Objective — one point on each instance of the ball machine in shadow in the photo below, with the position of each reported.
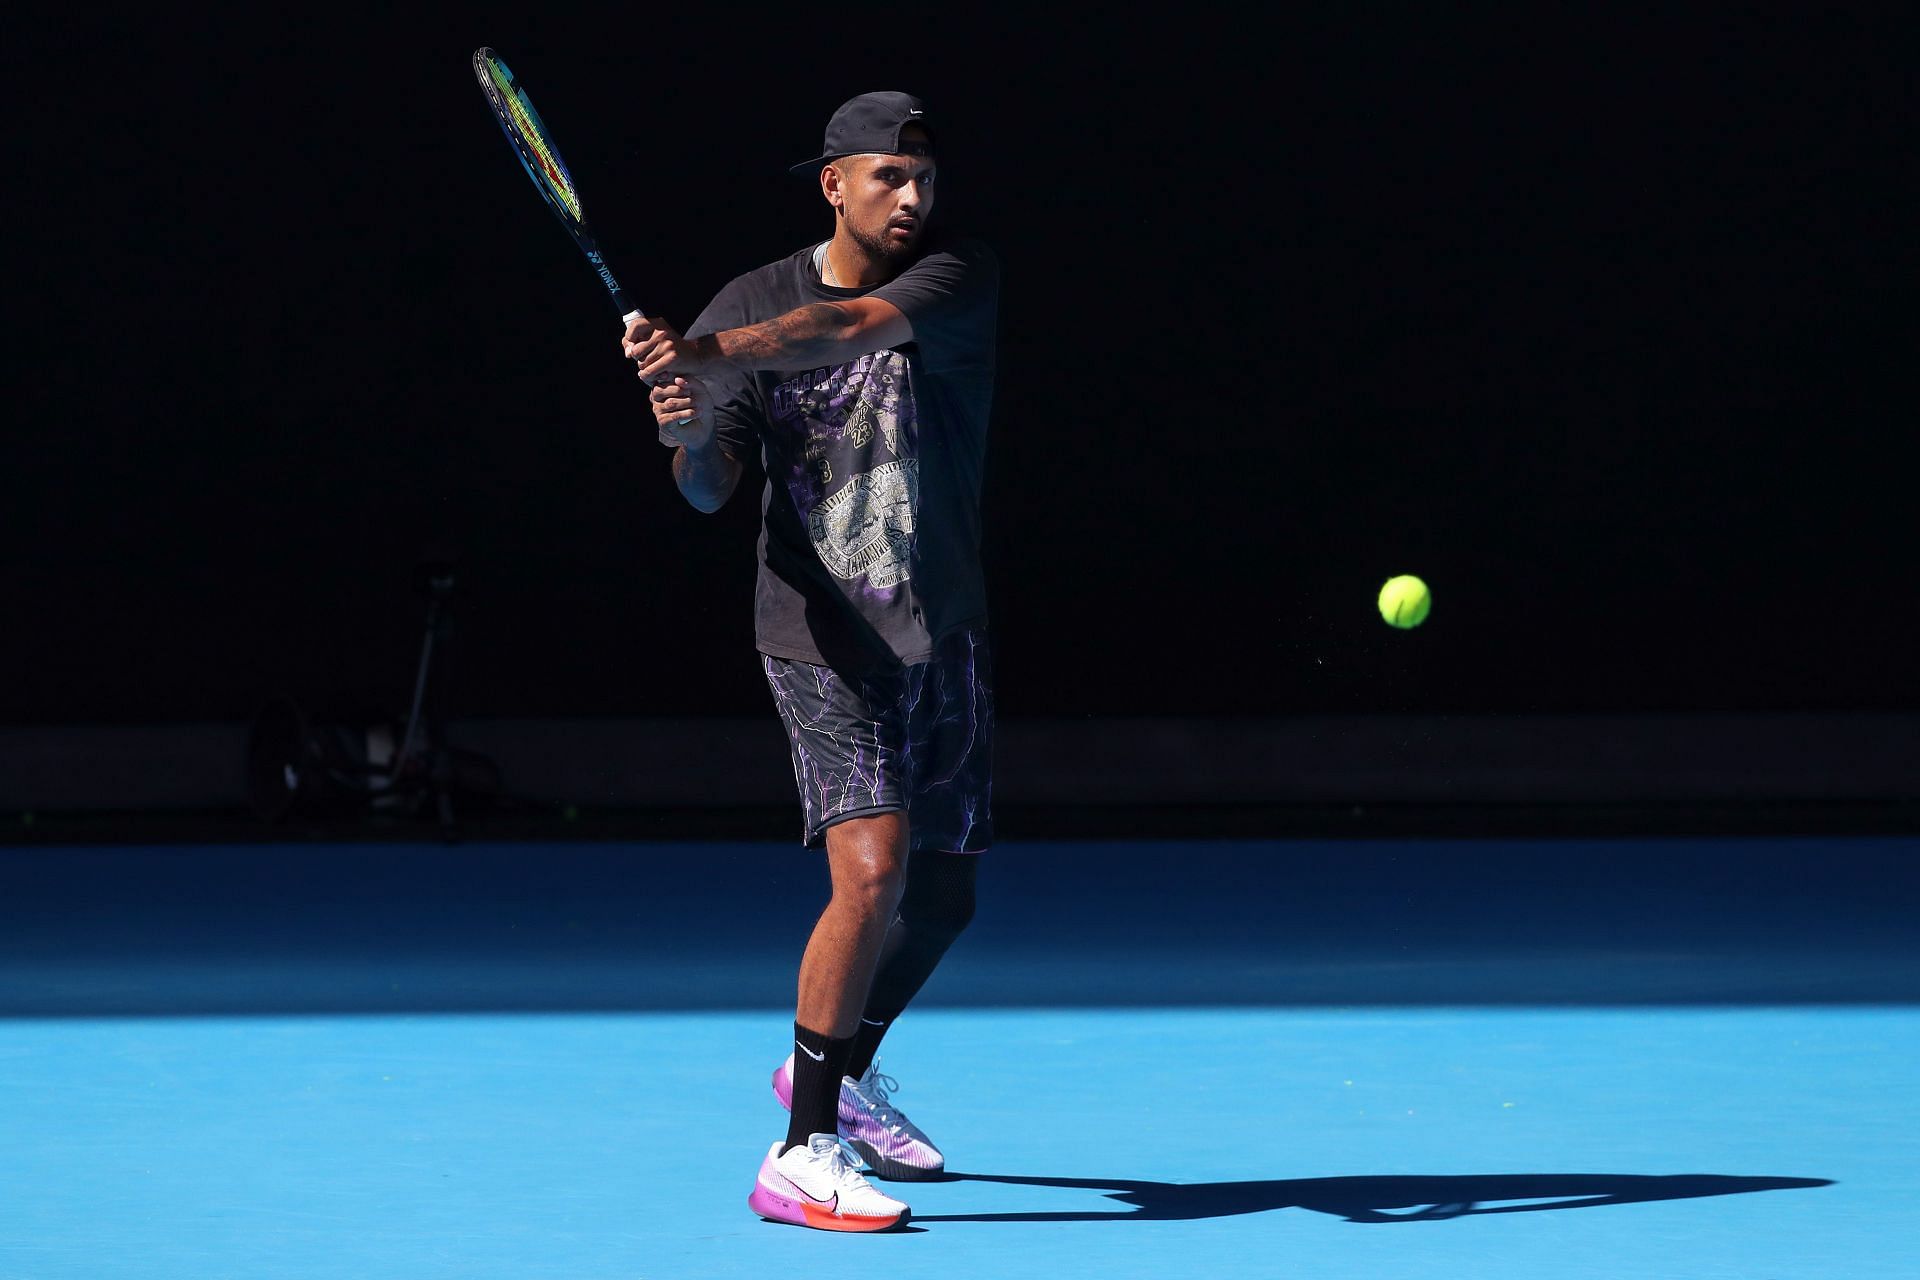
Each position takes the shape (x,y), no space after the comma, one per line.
(301,767)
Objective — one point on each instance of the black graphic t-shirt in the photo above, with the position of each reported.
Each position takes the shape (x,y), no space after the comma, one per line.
(870,532)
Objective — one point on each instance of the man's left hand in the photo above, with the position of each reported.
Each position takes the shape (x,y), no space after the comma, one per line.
(663,354)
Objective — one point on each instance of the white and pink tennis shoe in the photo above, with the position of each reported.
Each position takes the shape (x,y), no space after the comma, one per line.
(818,1186)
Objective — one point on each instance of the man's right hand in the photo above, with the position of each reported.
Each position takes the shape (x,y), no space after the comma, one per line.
(683,410)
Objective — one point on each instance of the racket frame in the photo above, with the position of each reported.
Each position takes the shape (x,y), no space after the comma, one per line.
(532,159)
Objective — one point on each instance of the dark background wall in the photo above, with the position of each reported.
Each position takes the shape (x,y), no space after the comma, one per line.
(1603,325)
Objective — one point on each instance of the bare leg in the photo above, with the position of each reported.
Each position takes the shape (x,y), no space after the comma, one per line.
(867,858)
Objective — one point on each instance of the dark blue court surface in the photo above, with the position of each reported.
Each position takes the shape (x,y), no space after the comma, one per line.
(1684,1058)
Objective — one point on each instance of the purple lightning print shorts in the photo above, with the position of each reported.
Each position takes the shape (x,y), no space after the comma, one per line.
(919,740)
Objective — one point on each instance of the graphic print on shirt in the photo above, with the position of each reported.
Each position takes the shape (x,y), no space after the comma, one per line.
(852,439)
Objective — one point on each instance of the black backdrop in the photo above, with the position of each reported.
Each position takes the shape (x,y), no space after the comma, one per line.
(1602,325)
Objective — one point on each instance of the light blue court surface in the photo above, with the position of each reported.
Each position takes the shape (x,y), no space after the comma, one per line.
(1378,1059)
(1223,1142)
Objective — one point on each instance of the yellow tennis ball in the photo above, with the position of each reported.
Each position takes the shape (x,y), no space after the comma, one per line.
(1404,601)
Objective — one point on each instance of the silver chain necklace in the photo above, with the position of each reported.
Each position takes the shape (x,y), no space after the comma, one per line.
(826,260)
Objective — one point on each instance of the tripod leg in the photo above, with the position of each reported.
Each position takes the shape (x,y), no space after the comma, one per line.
(406,747)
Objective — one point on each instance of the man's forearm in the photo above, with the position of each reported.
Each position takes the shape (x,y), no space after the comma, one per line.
(705,476)
(818,333)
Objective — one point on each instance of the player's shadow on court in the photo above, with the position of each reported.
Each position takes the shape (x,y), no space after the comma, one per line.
(1375,1200)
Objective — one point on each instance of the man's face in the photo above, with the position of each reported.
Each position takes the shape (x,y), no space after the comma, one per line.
(886,199)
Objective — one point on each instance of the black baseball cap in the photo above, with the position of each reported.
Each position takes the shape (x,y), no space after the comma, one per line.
(869,123)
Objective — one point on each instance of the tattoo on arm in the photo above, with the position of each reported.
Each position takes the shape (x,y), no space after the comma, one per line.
(801,336)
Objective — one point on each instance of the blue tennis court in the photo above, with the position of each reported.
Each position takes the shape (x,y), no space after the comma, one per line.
(1676,1057)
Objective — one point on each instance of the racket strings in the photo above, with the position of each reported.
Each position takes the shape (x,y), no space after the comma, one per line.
(529,137)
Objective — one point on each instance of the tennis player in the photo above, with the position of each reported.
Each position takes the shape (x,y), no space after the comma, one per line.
(861,369)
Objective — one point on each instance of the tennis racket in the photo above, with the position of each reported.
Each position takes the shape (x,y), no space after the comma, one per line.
(528,137)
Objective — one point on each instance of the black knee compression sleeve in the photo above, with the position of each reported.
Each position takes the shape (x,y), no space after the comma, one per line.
(938,900)
(935,908)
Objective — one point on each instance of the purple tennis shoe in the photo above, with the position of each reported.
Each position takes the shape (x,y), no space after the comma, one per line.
(891,1144)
